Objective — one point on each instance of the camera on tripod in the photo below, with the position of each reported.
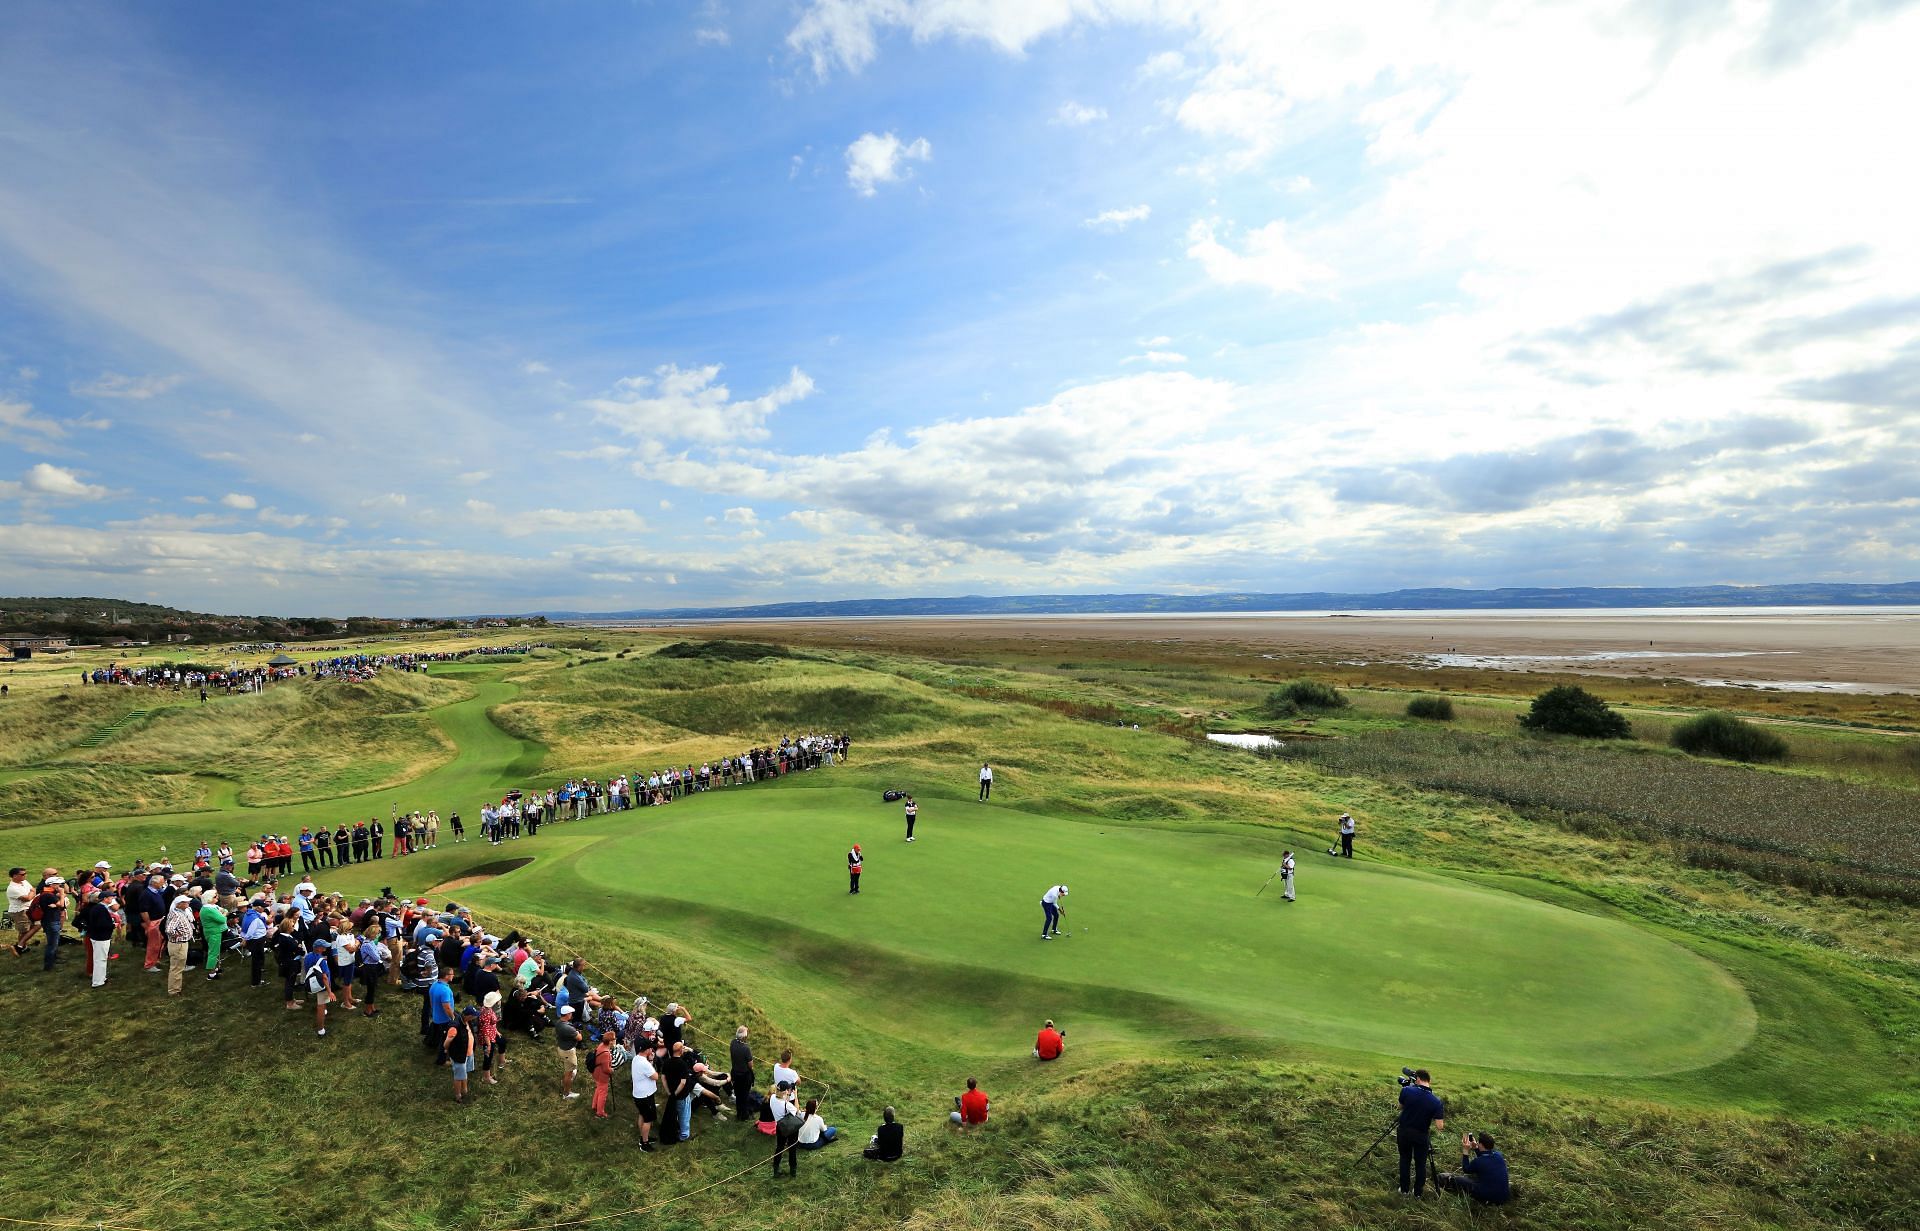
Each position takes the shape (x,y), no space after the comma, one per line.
(1406,1077)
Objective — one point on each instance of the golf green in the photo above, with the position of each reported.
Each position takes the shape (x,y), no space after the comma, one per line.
(1369,958)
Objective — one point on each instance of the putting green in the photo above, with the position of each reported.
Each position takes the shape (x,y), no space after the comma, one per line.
(1370,958)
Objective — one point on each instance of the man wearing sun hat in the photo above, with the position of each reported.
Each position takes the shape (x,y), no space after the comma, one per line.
(567,1036)
(52,904)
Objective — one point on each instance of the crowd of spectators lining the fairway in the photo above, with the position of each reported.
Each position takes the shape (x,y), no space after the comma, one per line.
(253,679)
(209,919)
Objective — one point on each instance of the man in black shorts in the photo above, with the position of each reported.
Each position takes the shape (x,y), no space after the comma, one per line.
(646,1081)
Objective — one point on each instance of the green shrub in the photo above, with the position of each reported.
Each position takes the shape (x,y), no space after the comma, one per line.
(1440,709)
(1567,710)
(1297,695)
(1727,737)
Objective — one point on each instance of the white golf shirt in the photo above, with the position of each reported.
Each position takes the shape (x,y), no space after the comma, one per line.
(645,1080)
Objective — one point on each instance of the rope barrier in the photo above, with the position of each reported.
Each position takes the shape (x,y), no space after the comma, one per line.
(93,1225)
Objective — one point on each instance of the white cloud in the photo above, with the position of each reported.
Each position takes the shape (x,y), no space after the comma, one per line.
(239,500)
(1164,64)
(533,367)
(1119,219)
(48,480)
(135,388)
(524,523)
(875,159)
(742,516)
(17,421)
(286,521)
(1157,356)
(712,36)
(1267,260)
(1234,102)
(688,404)
(475,476)
(386,500)
(1078,115)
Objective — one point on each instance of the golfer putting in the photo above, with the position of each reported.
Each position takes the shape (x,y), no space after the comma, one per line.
(1050,903)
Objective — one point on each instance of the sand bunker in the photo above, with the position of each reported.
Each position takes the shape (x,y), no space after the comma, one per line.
(486,873)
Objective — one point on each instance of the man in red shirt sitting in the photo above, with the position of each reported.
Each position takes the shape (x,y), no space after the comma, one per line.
(972,1106)
(1050,1043)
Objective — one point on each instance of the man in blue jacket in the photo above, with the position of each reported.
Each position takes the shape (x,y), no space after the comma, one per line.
(1420,1112)
(1482,1174)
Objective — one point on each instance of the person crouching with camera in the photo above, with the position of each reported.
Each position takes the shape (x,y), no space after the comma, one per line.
(1421,1111)
(1482,1174)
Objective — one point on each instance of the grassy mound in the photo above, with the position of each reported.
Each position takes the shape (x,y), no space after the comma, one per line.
(1729,738)
(1302,696)
(722,650)
(1439,709)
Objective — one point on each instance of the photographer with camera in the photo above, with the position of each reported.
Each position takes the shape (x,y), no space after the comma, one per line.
(1482,1174)
(1420,1112)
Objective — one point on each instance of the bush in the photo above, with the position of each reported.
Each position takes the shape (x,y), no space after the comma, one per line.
(1439,709)
(1297,695)
(1727,737)
(1567,710)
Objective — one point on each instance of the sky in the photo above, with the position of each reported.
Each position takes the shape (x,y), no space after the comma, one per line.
(405,308)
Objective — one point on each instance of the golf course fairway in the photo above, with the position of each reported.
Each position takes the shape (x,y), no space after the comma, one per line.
(1370,958)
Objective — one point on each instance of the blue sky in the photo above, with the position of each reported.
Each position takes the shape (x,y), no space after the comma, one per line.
(401,307)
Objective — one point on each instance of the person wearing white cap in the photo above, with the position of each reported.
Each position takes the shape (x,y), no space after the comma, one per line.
(567,1036)
(1346,835)
(1050,903)
(179,929)
(52,901)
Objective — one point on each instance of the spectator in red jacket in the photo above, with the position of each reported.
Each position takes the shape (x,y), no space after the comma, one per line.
(1050,1043)
(971,1107)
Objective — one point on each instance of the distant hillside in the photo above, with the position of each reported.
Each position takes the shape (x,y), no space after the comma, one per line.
(93,620)
(1807,594)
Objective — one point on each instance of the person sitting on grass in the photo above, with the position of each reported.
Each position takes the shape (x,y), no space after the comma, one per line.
(814,1131)
(889,1141)
(971,1107)
(1482,1174)
(1050,1043)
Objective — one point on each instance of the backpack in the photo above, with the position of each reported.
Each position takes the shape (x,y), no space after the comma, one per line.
(316,980)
